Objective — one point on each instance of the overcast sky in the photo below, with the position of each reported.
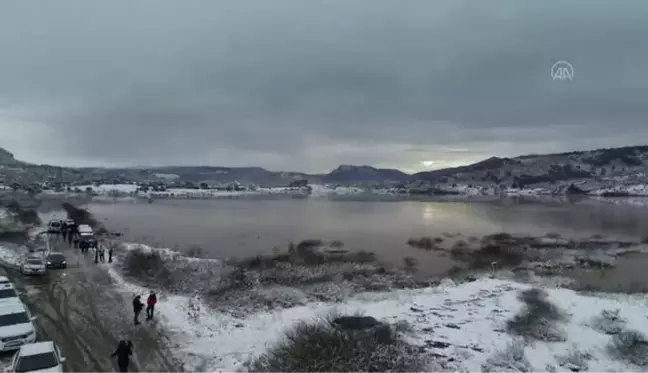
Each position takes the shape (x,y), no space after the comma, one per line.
(308,85)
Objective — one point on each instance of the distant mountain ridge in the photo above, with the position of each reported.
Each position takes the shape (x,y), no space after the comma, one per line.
(517,171)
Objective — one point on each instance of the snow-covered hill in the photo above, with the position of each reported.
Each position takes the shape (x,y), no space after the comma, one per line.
(604,165)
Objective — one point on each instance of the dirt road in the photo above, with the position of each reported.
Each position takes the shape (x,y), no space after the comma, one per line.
(80,310)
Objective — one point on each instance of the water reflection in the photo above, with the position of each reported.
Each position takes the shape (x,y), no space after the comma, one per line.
(244,227)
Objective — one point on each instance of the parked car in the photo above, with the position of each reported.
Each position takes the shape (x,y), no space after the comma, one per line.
(85,229)
(16,326)
(9,294)
(4,280)
(38,357)
(56,260)
(54,226)
(34,265)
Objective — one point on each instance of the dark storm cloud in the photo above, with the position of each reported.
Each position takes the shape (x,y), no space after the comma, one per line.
(308,85)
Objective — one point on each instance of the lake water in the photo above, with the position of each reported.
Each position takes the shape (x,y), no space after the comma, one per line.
(240,227)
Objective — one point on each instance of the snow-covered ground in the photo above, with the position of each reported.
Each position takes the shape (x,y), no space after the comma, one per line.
(126,190)
(620,186)
(467,319)
(10,256)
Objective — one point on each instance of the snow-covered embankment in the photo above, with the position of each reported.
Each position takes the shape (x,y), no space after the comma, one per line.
(461,327)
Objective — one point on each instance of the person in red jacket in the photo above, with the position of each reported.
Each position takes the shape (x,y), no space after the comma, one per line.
(150,305)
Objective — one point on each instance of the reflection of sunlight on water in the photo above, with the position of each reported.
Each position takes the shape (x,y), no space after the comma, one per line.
(429,211)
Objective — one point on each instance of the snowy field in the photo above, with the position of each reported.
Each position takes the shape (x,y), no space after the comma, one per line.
(464,322)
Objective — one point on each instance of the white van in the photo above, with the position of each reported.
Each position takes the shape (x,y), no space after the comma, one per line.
(16,326)
(85,230)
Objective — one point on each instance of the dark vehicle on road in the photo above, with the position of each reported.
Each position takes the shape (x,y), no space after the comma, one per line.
(56,260)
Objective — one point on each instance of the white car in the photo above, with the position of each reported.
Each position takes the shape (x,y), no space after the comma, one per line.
(38,357)
(4,280)
(16,326)
(85,229)
(9,294)
(54,226)
(34,265)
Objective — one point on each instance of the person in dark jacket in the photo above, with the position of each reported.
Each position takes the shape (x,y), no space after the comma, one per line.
(150,305)
(137,308)
(123,353)
(110,253)
(72,233)
(64,231)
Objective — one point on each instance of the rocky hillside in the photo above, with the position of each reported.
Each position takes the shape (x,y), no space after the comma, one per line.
(530,170)
(351,174)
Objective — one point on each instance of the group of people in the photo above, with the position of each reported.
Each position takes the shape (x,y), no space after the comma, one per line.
(138,306)
(70,234)
(124,351)
(100,254)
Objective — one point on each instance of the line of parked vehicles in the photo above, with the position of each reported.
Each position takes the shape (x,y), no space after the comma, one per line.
(17,327)
(18,332)
(39,262)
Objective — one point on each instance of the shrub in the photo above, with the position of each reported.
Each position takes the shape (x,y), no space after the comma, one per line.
(341,344)
(421,243)
(410,262)
(609,322)
(195,251)
(29,217)
(575,361)
(538,318)
(512,359)
(630,346)
(80,216)
(503,236)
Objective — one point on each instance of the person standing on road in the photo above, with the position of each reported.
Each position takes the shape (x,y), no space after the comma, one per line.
(137,308)
(64,231)
(123,353)
(102,257)
(110,254)
(72,236)
(150,305)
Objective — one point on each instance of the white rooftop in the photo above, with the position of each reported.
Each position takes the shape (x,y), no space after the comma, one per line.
(6,285)
(36,348)
(11,308)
